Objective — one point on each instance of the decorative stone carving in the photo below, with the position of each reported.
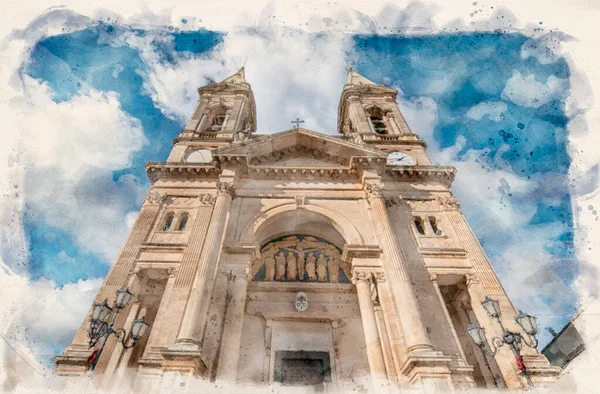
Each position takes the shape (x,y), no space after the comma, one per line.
(225,187)
(379,276)
(302,258)
(373,190)
(361,276)
(448,202)
(471,279)
(301,302)
(241,273)
(154,198)
(206,199)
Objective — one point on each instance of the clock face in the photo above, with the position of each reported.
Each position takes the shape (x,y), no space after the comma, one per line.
(400,159)
(199,156)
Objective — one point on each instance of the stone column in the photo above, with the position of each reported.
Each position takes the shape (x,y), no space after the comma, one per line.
(232,331)
(363,282)
(386,346)
(154,339)
(406,302)
(194,318)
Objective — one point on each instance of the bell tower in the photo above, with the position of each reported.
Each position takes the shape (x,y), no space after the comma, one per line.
(368,114)
(225,114)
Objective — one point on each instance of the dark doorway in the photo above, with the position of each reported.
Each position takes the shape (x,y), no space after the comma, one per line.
(301,368)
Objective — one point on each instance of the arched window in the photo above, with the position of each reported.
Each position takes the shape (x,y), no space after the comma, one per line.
(218,119)
(183,219)
(434,226)
(168,221)
(376,117)
(419,225)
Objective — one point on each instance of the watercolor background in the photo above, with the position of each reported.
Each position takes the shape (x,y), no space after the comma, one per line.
(90,94)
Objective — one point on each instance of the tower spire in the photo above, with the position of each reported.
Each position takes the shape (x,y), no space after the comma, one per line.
(238,77)
(355,78)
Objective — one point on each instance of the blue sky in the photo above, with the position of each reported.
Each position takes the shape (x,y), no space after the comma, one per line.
(487,103)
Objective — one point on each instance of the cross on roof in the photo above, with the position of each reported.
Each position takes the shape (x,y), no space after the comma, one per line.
(297,121)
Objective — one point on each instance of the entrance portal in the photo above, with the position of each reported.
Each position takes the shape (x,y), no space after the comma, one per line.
(301,368)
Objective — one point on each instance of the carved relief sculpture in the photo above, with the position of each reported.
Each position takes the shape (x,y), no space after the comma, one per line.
(301,258)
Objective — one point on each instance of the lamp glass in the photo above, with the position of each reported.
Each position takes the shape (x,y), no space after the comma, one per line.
(491,306)
(101,311)
(477,333)
(527,322)
(123,298)
(139,329)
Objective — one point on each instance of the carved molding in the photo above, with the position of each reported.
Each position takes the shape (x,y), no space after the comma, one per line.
(154,198)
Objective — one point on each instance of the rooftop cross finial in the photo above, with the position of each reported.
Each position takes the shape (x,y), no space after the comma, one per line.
(297,121)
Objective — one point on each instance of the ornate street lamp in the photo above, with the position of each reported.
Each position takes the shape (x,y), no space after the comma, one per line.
(100,327)
(514,340)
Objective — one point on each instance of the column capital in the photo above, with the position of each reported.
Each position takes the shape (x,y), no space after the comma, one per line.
(225,188)
(373,191)
(154,198)
(448,202)
(471,279)
(433,276)
(241,273)
(173,271)
(361,276)
(379,276)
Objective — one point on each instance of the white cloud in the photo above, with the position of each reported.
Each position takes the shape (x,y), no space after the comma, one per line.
(68,152)
(33,317)
(278,62)
(527,92)
(494,110)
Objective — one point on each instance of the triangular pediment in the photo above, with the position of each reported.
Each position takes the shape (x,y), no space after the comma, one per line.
(299,148)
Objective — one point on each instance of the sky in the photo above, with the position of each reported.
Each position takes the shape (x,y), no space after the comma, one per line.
(98,96)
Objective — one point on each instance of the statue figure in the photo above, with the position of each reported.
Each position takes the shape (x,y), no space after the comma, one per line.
(310,266)
(322,268)
(301,262)
(269,268)
(292,269)
(333,266)
(280,266)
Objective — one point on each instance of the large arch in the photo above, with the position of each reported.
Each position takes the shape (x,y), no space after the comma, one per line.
(290,218)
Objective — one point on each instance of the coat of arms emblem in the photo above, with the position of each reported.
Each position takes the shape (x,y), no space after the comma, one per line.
(301,302)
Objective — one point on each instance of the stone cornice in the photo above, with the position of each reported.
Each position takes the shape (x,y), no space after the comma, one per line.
(159,170)
(435,174)
(439,174)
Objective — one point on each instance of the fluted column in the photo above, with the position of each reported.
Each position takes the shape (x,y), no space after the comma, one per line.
(363,282)
(232,331)
(406,301)
(386,347)
(194,318)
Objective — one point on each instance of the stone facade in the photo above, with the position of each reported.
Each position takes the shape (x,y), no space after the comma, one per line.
(340,262)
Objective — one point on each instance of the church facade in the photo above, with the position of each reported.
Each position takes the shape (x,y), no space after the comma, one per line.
(302,259)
